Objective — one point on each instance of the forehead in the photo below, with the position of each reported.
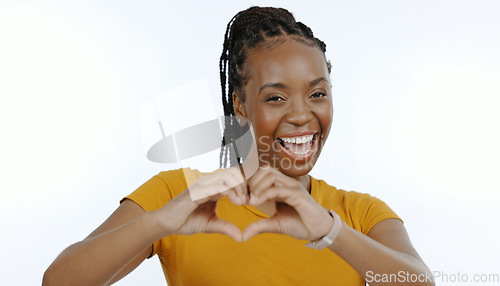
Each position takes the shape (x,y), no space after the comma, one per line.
(290,62)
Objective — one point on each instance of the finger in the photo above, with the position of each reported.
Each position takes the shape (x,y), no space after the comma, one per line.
(235,182)
(218,225)
(233,196)
(267,225)
(233,179)
(204,199)
(279,194)
(242,192)
(269,177)
(205,188)
(263,182)
(210,185)
(234,173)
(238,194)
(261,172)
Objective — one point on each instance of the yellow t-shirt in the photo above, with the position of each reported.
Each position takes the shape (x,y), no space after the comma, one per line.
(266,259)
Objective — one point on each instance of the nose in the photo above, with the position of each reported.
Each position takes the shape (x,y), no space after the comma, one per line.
(299,114)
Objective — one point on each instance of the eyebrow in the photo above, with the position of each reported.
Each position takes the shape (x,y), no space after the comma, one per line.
(284,86)
(318,80)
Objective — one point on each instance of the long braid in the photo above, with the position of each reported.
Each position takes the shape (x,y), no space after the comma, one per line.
(223,62)
(256,27)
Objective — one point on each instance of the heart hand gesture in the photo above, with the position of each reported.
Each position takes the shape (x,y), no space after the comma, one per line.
(297,214)
(183,215)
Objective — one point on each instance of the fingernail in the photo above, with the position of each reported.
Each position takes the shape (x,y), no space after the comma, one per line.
(252,198)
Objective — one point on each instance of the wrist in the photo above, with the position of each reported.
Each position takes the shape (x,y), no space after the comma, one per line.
(159,223)
(170,218)
(330,236)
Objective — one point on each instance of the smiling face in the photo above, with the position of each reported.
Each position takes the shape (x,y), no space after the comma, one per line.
(288,100)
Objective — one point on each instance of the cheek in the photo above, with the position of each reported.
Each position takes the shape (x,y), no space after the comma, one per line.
(325,115)
(265,123)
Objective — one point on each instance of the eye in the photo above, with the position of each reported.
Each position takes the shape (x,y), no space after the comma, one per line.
(318,95)
(274,98)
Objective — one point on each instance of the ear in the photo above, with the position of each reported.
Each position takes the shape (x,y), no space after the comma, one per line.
(238,105)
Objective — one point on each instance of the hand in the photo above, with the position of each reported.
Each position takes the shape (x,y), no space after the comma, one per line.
(184,216)
(297,213)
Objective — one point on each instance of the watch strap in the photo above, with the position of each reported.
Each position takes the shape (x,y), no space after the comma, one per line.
(330,236)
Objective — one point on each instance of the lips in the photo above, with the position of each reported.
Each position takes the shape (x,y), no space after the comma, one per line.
(299,146)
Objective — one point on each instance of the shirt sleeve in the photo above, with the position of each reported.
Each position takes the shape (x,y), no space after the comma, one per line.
(369,210)
(158,191)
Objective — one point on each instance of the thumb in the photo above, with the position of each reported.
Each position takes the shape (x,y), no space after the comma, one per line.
(218,225)
(267,225)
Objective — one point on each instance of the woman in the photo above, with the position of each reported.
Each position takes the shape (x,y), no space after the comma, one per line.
(277,81)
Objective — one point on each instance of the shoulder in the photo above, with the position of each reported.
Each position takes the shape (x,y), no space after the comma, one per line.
(163,187)
(178,179)
(325,193)
(183,177)
(359,210)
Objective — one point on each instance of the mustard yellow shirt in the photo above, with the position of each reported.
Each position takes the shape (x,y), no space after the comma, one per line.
(266,259)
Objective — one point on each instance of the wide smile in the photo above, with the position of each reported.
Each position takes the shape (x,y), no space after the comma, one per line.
(301,147)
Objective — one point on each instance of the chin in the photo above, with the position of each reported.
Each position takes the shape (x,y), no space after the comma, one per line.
(298,169)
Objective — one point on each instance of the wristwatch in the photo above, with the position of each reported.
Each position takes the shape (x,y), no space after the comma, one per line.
(330,236)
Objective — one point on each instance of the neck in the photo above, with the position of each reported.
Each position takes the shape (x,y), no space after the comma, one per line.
(306,182)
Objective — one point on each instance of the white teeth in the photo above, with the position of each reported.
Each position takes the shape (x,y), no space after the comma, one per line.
(298,140)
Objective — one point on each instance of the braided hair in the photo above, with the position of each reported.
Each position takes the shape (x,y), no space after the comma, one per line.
(254,28)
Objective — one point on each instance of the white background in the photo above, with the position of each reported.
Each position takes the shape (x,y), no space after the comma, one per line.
(416,88)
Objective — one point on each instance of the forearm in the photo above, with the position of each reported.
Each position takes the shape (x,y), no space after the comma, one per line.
(96,260)
(374,261)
